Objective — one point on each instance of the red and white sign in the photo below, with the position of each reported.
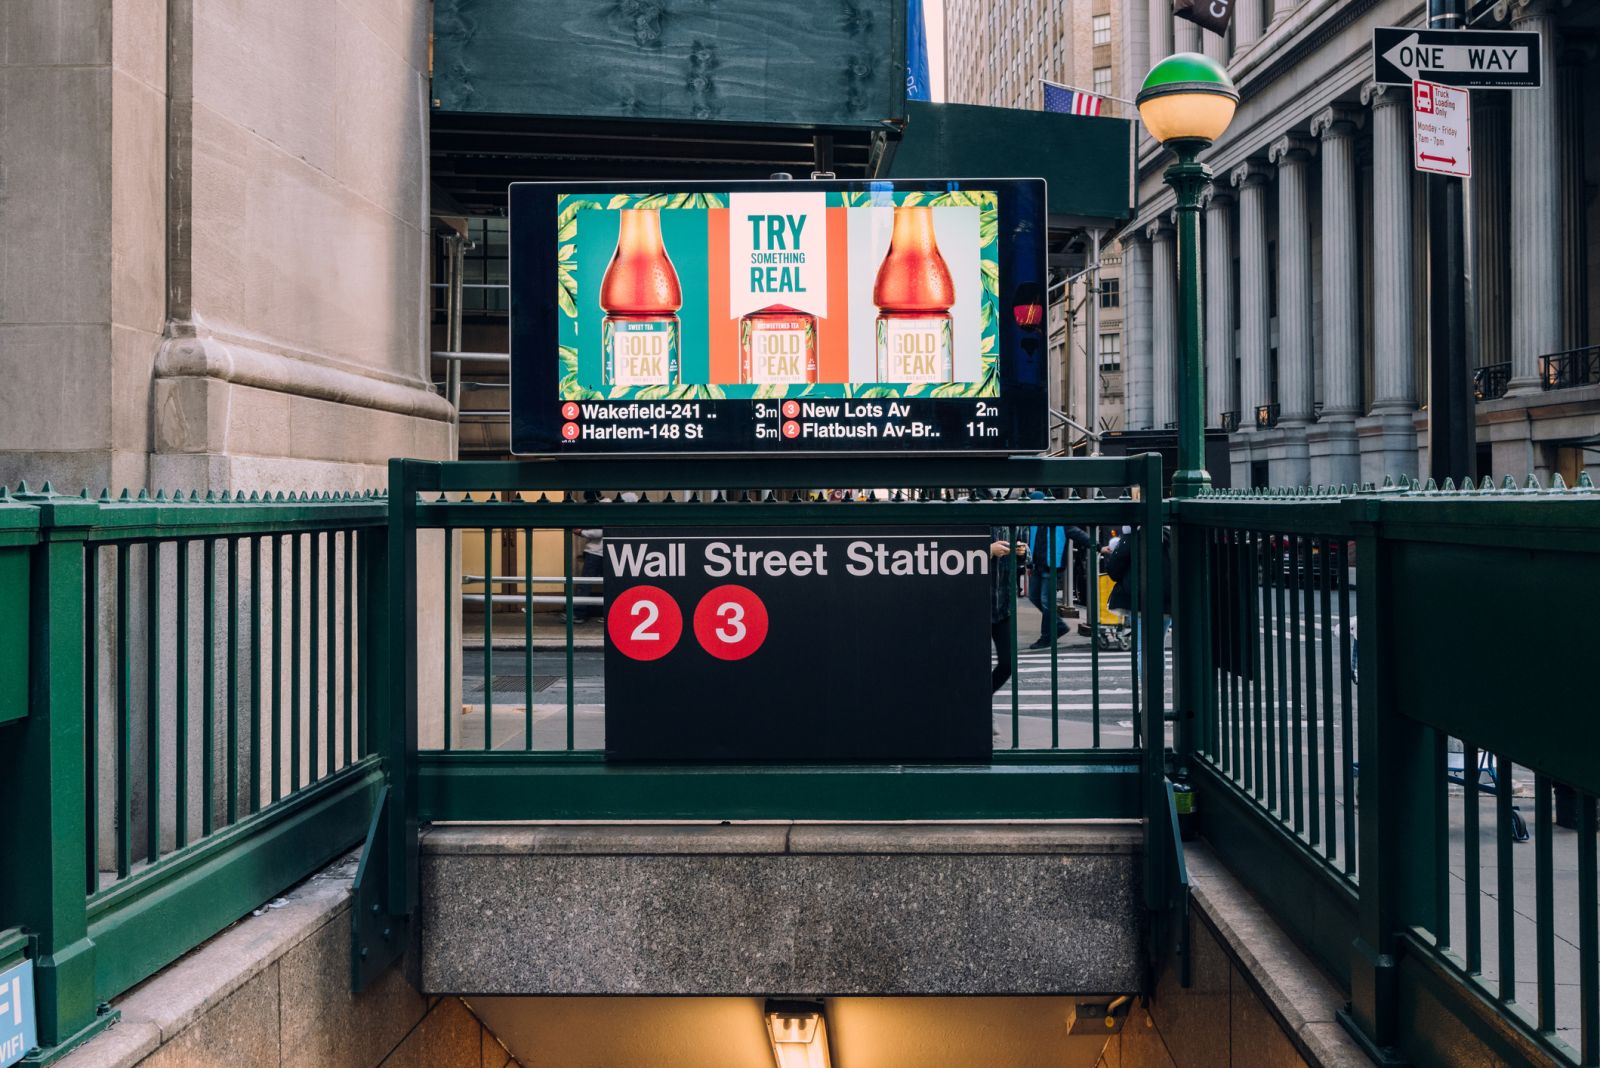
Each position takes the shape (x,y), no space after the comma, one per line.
(730,622)
(644,623)
(1442,129)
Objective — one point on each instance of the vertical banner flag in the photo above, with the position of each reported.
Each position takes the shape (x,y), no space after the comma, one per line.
(917,87)
(1070,101)
(1213,15)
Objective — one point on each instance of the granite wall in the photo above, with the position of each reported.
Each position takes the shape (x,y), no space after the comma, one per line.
(801,909)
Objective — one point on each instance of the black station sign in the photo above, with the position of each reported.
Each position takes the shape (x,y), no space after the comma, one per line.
(827,644)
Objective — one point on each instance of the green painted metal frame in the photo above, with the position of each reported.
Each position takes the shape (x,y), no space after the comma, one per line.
(19,533)
(1067,784)
(1376,934)
(1412,997)
(497,785)
(90,945)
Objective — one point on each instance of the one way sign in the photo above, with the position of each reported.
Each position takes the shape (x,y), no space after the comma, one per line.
(1466,59)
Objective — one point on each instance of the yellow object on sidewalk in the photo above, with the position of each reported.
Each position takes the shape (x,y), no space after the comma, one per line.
(1108,618)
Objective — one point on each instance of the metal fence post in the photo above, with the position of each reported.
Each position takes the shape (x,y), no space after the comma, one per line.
(397,606)
(1192,704)
(46,866)
(1398,765)
(1149,639)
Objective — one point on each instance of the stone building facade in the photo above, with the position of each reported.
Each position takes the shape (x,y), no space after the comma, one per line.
(996,55)
(215,244)
(1316,241)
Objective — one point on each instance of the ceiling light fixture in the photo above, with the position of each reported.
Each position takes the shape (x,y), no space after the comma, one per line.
(799,1034)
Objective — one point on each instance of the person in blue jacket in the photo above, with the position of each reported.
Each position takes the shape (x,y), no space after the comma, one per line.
(1047,555)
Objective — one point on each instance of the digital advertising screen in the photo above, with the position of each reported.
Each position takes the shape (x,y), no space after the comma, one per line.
(781,316)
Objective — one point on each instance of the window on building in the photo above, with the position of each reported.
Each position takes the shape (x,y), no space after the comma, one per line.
(1110,352)
(485,265)
(483,272)
(1102,81)
(1110,292)
(1102,29)
(1272,279)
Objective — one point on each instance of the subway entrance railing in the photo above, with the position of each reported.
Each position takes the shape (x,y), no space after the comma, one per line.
(204,701)
(1393,744)
(218,696)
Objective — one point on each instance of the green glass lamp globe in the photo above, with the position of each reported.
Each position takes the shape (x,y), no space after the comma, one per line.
(1187,98)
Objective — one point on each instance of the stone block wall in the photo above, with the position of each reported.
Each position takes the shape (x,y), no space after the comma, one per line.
(217,243)
(1254,999)
(273,991)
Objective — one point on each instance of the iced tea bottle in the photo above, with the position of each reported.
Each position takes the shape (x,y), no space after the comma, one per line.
(641,297)
(778,346)
(914,295)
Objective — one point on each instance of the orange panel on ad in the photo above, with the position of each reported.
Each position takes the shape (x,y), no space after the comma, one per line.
(833,332)
(723,328)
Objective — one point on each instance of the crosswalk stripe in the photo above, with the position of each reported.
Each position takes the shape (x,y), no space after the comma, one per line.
(1026,707)
(1073,693)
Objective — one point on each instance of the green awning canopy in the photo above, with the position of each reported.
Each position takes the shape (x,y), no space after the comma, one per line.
(1086,161)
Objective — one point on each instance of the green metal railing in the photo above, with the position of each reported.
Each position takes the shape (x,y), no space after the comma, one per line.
(1346,780)
(218,696)
(541,758)
(505,770)
(196,735)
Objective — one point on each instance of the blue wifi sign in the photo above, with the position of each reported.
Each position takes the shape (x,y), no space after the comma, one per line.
(18,1032)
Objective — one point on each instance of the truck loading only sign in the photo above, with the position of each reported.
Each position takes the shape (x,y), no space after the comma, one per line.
(833,644)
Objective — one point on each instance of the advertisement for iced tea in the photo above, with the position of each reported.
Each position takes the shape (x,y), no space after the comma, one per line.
(805,294)
(765,314)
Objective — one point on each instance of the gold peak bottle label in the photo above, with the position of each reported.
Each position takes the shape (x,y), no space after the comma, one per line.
(640,352)
(778,283)
(778,346)
(915,349)
(641,297)
(914,293)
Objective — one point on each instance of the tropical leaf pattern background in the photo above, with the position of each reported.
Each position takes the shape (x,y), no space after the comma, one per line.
(986,385)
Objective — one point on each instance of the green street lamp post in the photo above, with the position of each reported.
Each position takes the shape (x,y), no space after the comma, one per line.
(1186,102)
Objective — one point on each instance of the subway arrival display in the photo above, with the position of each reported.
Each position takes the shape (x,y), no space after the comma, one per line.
(781,316)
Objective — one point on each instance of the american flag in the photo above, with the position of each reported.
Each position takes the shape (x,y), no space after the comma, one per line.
(1071,101)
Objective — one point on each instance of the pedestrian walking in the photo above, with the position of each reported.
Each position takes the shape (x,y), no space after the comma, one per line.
(591,566)
(1120,565)
(1002,578)
(1047,556)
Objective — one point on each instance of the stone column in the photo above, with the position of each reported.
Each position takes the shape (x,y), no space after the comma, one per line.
(1536,250)
(1296,363)
(1219,283)
(1247,23)
(1576,50)
(1335,455)
(1136,371)
(1491,221)
(1296,385)
(1282,8)
(1393,299)
(1185,36)
(1133,48)
(1160,31)
(1164,324)
(1255,328)
(1388,437)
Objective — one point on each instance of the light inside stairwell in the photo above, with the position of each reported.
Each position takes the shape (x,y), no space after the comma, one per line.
(799,1034)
